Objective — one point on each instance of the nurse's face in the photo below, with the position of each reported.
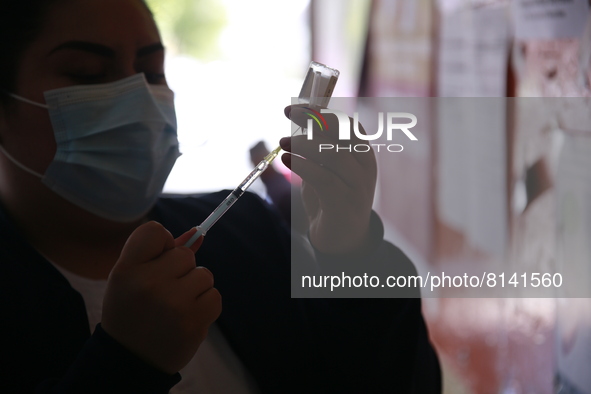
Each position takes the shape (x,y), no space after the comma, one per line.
(81,42)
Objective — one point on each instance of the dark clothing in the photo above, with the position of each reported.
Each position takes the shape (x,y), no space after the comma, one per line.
(287,345)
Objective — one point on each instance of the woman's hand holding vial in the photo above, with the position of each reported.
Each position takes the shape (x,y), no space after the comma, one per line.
(338,186)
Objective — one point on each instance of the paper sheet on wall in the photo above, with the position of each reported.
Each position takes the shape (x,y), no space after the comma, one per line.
(471,169)
(473,54)
(472,195)
(400,50)
(549,19)
(573,344)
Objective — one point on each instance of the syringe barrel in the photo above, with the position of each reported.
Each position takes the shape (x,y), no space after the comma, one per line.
(253,176)
(217,213)
(221,209)
(213,217)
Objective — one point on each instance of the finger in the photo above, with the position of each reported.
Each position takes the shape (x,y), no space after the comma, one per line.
(209,305)
(175,263)
(298,107)
(366,160)
(301,146)
(327,142)
(285,143)
(197,281)
(304,115)
(342,163)
(320,178)
(312,201)
(146,243)
(183,239)
(327,125)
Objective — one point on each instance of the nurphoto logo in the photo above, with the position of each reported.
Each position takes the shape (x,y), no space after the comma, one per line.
(344,125)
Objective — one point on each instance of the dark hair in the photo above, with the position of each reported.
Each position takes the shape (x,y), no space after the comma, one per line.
(21,22)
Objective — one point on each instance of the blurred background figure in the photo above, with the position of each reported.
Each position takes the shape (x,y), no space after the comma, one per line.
(283,190)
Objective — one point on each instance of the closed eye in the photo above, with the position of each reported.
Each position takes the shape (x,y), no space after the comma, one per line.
(88,79)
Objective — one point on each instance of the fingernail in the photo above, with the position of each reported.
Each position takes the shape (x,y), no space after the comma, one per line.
(286,159)
(202,267)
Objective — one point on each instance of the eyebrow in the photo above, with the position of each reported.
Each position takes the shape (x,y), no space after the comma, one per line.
(147,50)
(103,50)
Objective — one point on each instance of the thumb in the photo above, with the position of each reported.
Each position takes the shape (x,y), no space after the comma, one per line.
(183,239)
(146,243)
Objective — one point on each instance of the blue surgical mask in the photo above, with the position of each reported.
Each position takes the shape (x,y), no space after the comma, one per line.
(116,145)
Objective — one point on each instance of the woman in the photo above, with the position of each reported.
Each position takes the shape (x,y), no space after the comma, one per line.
(97,294)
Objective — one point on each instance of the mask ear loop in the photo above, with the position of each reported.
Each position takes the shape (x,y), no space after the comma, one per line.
(19,164)
(5,152)
(24,100)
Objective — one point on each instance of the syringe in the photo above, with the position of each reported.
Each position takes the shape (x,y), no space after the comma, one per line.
(217,213)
